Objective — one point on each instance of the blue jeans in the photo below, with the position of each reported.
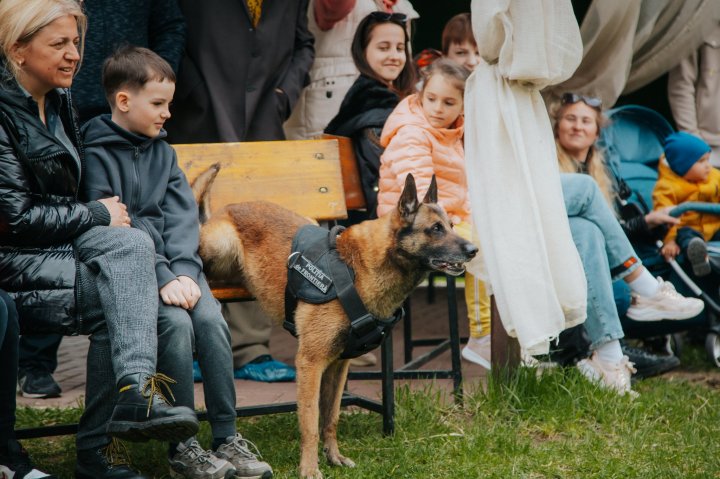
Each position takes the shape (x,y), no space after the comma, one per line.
(603,247)
(9,331)
(205,329)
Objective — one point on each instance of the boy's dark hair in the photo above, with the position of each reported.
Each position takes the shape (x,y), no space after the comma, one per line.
(457,30)
(404,84)
(132,67)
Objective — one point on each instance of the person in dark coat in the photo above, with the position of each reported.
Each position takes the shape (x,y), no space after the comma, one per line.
(243,70)
(245,64)
(373,96)
(75,267)
(155,24)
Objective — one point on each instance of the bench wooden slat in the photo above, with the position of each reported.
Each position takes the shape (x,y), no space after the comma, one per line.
(304,176)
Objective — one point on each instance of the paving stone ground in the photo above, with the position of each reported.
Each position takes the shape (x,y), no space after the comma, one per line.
(429,320)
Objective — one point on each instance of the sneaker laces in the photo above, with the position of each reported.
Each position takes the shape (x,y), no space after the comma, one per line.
(242,446)
(196,453)
(153,387)
(116,453)
(668,289)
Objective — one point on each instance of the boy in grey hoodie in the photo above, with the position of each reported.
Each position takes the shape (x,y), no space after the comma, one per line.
(127,157)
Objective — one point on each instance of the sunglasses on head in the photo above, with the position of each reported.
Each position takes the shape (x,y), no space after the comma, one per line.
(572,98)
(388,16)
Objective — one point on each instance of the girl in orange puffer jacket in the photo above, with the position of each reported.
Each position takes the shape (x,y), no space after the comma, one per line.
(424,136)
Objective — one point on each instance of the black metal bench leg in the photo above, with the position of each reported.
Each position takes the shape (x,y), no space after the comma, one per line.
(387,384)
(408,344)
(454,340)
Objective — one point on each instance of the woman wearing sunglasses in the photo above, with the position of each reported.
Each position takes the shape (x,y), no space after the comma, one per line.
(602,242)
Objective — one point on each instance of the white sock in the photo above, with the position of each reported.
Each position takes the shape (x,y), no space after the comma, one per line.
(610,352)
(645,284)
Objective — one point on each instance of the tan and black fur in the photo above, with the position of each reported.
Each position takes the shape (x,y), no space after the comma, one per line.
(390,256)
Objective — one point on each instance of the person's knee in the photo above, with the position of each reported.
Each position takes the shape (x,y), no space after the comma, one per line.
(137,241)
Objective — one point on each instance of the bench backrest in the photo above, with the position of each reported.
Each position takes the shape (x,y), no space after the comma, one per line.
(304,176)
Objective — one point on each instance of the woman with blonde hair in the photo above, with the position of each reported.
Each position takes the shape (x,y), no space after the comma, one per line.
(75,267)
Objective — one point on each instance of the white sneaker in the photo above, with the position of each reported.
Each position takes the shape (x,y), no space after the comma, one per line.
(243,454)
(614,376)
(477,350)
(666,304)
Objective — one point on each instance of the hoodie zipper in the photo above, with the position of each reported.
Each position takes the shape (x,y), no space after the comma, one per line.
(136,196)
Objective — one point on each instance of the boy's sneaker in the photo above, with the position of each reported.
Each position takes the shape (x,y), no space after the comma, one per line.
(15,463)
(697,255)
(615,376)
(191,461)
(37,383)
(666,304)
(107,462)
(237,451)
(477,350)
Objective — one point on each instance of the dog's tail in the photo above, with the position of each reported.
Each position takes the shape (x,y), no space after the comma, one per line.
(201,190)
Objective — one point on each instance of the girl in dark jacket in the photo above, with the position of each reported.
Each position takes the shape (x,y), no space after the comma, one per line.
(75,267)
(381,52)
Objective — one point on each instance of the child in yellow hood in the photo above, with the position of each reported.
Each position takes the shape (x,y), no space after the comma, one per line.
(685,174)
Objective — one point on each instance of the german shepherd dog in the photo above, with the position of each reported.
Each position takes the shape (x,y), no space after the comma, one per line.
(390,256)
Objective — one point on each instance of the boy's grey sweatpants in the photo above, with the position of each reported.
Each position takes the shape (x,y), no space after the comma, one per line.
(118,287)
(205,328)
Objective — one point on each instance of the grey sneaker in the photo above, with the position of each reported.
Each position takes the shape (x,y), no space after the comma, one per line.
(193,462)
(243,454)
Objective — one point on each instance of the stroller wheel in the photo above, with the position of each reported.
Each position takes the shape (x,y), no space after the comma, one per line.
(712,347)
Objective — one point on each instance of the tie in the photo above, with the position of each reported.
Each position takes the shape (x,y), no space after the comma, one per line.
(255,8)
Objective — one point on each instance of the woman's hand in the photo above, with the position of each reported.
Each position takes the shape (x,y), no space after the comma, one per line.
(117,210)
(670,250)
(661,217)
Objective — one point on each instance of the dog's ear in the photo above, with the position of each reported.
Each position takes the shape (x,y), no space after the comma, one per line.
(431,196)
(408,204)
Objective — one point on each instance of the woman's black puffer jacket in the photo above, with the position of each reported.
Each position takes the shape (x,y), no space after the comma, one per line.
(40,214)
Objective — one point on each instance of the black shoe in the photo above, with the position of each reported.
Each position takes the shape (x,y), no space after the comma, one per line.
(697,254)
(109,462)
(648,365)
(143,413)
(37,384)
(15,462)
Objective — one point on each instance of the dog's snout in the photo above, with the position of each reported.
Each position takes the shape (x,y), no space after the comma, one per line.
(470,250)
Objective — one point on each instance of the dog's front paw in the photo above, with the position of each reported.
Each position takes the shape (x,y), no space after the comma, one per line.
(310,473)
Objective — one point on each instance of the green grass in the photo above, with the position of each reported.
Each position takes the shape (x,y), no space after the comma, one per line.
(553,425)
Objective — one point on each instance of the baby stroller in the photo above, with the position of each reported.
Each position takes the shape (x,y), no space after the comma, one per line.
(633,143)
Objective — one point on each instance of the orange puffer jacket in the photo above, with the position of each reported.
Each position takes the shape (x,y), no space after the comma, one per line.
(414,146)
(672,190)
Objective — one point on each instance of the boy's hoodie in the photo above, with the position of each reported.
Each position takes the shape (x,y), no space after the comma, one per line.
(413,145)
(144,173)
(672,190)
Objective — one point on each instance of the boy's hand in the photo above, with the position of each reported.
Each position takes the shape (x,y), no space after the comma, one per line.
(661,217)
(174,294)
(192,290)
(670,250)
(117,210)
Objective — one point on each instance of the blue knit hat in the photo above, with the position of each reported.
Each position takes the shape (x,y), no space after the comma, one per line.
(683,150)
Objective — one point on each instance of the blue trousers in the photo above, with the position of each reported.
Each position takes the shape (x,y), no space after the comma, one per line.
(603,248)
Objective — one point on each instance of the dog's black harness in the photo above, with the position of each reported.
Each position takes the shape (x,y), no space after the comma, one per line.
(317,275)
